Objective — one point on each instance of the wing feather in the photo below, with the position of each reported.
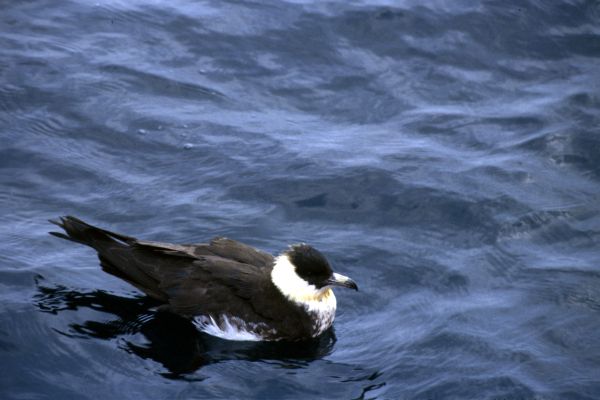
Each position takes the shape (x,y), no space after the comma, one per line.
(215,284)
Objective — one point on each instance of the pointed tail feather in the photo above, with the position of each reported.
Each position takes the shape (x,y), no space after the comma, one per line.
(116,253)
(81,232)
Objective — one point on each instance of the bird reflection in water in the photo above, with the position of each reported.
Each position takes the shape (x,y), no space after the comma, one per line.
(172,340)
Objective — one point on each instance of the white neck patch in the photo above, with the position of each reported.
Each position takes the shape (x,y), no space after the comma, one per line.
(320,302)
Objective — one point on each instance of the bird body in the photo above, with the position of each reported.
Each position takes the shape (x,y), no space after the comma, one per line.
(227,288)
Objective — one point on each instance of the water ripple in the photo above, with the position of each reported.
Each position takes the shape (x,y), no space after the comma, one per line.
(445,155)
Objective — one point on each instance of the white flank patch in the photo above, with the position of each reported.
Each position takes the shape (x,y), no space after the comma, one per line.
(231,328)
(319,302)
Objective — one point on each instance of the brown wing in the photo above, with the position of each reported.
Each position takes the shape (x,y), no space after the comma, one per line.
(240,252)
(213,285)
(194,278)
(222,247)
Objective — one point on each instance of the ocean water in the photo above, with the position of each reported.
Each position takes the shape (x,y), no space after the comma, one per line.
(444,154)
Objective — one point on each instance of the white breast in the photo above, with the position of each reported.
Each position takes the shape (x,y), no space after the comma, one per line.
(322,311)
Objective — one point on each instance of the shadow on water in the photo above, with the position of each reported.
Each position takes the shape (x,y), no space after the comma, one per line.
(173,341)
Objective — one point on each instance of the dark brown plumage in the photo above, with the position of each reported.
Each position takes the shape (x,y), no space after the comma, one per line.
(222,277)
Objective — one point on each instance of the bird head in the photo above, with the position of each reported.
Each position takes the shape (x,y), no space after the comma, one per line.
(303,274)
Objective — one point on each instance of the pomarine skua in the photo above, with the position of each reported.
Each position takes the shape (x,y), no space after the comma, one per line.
(228,289)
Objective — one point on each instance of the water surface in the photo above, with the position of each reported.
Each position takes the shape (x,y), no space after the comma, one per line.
(446,156)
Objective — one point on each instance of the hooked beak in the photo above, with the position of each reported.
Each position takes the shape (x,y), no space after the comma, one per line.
(341,280)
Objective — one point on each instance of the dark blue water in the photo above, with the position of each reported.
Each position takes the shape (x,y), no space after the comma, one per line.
(446,156)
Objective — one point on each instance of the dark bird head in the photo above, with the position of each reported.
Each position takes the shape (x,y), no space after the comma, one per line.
(313,267)
(304,274)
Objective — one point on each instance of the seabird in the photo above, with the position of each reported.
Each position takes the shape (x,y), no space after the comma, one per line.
(228,289)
